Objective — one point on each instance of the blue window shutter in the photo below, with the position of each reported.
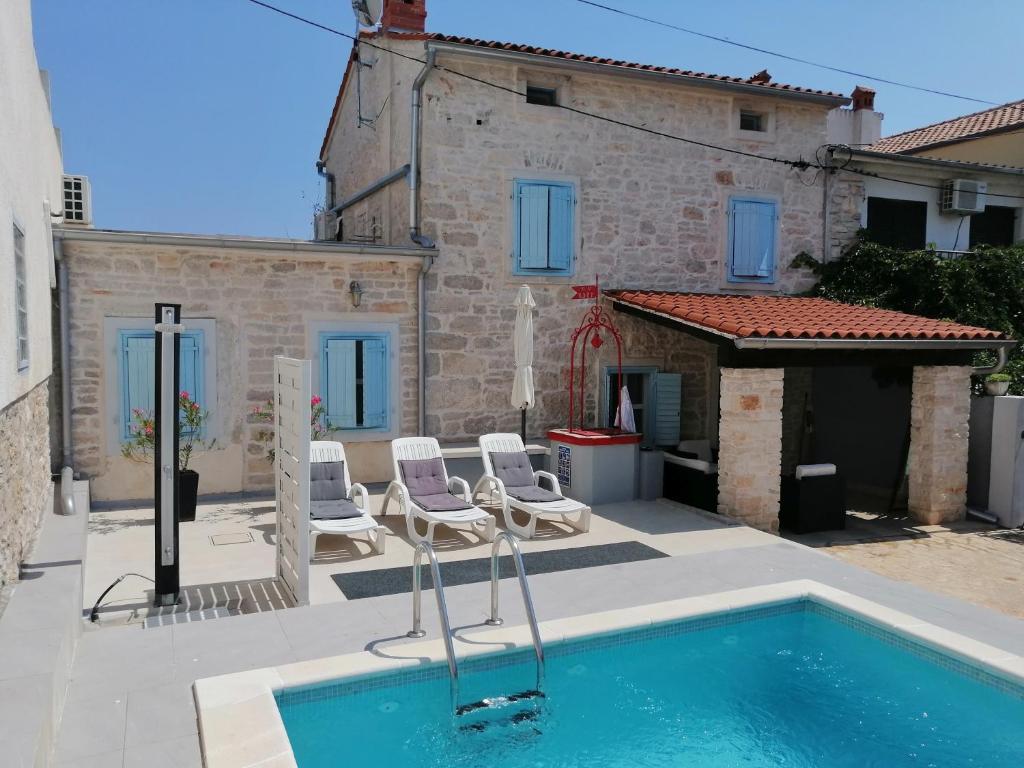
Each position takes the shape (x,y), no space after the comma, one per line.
(532,226)
(137,389)
(752,239)
(375,394)
(341,383)
(561,231)
(668,399)
(190,371)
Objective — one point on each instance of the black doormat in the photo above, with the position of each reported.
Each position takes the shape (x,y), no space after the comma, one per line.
(394,581)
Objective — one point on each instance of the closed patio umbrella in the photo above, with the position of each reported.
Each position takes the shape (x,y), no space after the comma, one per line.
(522,347)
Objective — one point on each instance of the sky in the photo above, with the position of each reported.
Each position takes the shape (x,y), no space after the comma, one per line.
(206,116)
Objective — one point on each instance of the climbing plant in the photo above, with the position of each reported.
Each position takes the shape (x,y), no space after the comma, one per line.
(984,289)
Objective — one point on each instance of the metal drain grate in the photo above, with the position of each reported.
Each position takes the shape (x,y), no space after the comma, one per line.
(166,619)
(220,539)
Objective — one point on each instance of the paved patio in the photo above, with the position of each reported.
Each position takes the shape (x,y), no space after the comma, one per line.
(130,702)
(971,560)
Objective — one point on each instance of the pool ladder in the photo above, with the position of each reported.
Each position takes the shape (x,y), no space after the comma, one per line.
(494,620)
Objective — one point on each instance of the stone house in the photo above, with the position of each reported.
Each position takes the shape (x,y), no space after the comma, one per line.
(30,188)
(637,209)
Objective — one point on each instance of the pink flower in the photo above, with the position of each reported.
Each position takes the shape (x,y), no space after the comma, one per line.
(184,394)
(316,400)
(149,430)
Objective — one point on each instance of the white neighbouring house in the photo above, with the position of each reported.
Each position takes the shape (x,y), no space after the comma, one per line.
(951,186)
(30,193)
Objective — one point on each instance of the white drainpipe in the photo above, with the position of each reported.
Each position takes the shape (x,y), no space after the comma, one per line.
(418,238)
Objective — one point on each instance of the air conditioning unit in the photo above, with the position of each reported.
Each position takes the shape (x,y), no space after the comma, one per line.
(962,196)
(325,226)
(77,200)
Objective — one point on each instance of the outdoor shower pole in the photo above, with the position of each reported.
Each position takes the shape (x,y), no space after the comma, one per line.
(167,334)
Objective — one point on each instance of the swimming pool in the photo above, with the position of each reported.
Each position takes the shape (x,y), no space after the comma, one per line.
(796,684)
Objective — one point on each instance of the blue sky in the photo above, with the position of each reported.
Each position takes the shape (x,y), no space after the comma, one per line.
(207,115)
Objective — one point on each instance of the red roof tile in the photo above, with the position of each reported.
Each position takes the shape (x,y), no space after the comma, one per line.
(757,80)
(795,317)
(1001,118)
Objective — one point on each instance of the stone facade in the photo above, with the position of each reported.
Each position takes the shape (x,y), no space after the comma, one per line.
(939,412)
(750,446)
(262,303)
(651,213)
(26,491)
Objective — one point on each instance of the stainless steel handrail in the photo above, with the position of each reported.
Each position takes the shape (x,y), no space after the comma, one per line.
(417,624)
(531,616)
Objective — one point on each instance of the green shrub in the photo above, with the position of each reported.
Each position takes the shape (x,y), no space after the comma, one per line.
(984,289)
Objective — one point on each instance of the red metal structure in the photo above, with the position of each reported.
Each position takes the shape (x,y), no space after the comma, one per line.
(589,332)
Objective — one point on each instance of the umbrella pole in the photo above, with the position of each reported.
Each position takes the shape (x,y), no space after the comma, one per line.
(522,424)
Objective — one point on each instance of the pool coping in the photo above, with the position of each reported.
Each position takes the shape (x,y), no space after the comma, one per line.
(240,724)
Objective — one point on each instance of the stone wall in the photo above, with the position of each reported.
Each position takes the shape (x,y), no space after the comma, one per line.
(26,490)
(939,413)
(750,446)
(263,303)
(846,197)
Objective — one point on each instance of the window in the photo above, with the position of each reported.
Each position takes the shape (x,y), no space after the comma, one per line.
(137,356)
(544,97)
(897,223)
(996,226)
(752,240)
(544,227)
(20,299)
(354,379)
(752,121)
(656,399)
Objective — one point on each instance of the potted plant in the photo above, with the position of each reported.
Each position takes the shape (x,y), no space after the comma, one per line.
(319,426)
(140,447)
(997,383)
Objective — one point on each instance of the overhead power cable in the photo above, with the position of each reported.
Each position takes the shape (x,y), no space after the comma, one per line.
(799,164)
(787,57)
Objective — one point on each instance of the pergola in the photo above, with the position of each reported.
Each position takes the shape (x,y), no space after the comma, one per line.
(757,337)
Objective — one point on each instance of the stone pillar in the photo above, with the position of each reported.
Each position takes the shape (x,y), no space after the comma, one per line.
(750,445)
(937,466)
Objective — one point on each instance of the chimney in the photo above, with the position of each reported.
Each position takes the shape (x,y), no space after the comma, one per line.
(863,98)
(859,125)
(404,16)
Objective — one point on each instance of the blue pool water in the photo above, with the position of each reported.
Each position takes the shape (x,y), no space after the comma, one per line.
(799,686)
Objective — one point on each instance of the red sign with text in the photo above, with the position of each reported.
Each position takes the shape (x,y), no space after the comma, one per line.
(584,292)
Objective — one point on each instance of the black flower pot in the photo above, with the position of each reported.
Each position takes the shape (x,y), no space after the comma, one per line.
(188,492)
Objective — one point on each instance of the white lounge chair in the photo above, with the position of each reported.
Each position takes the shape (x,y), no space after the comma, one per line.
(332,509)
(516,486)
(424,490)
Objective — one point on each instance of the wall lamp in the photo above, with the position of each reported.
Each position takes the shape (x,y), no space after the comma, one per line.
(356,290)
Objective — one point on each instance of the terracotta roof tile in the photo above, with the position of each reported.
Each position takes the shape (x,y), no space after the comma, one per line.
(1001,118)
(795,317)
(537,50)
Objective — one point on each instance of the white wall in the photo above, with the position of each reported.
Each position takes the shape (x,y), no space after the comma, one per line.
(941,227)
(30,175)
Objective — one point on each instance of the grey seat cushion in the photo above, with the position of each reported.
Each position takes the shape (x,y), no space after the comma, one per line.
(531,493)
(327,481)
(440,502)
(423,477)
(513,468)
(333,509)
